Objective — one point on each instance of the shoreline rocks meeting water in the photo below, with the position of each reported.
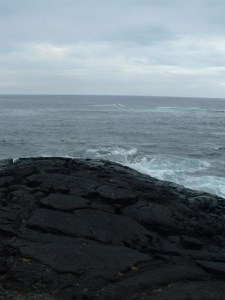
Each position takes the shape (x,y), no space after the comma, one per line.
(89,229)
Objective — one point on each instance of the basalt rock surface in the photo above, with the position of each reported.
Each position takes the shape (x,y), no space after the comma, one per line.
(84,229)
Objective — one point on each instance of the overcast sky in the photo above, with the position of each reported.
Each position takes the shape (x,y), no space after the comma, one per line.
(121,47)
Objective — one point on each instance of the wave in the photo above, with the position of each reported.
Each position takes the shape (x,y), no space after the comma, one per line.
(20,112)
(116,154)
(171,109)
(108,105)
(219,148)
(189,172)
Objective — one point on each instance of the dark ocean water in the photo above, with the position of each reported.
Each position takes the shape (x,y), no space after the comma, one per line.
(176,139)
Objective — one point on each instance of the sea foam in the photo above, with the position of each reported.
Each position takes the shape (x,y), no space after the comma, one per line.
(185,171)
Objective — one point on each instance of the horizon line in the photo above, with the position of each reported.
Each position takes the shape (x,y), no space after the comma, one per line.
(111,95)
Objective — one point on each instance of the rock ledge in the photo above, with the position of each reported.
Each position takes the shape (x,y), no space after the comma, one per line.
(85,229)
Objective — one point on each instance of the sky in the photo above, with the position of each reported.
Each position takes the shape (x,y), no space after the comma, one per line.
(119,47)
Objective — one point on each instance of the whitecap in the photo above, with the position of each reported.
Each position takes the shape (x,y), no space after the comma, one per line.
(118,154)
(165,162)
(171,109)
(108,105)
(185,171)
(19,112)
(219,148)
(210,184)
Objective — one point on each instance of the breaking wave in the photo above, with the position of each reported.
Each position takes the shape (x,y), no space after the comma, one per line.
(189,172)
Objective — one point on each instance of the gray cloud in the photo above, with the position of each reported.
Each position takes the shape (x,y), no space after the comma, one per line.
(142,47)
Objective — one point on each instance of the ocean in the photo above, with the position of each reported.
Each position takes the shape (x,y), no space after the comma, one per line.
(175,139)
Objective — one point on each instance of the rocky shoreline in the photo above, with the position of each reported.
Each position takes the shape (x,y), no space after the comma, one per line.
(85,229)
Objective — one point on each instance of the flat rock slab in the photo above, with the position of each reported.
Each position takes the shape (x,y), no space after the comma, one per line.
(64,202)
(81,257)
(93,224)
(85,229)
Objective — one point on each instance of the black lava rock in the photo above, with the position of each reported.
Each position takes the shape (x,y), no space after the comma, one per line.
(83,229)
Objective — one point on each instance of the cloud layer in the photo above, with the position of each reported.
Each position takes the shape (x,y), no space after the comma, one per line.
(135,47)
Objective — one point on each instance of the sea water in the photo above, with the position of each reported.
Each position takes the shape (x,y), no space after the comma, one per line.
(175,139)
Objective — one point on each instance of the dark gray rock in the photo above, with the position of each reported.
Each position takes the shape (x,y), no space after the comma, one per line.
(64,202)
(117,194)
(5,181)
(94,224)
(213,266)
(196,290)
(83,229)
(191,242)
(54,182)
(4,163)
(81,256)
(151,213)
(161,275)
